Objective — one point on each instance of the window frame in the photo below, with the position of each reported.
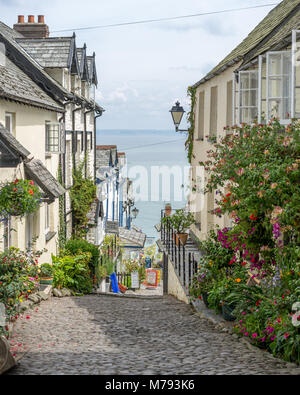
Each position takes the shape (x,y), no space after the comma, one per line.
(60,138)
(281,77)
(247,90)
(10,116)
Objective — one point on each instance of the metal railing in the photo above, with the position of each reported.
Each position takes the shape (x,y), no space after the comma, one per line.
(183,259)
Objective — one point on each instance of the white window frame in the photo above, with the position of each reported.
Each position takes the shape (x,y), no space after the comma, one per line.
(47,218)
(29,232)
(58,147)
(10,117)
(295,63)
(281,98)
(248,90)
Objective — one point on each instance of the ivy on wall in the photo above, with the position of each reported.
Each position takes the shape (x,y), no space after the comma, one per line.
(82,194)
(189,144)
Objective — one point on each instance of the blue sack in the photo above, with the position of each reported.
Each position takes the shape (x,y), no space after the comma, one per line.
(114,283)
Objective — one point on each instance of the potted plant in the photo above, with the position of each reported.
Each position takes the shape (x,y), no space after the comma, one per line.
(46,274)
(168,209)
(181,221)
(19,198)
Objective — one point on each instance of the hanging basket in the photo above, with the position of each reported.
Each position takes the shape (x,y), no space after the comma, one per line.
(19,198)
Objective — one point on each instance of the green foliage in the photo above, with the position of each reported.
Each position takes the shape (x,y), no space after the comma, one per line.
(72,272)
(46,270)
(77,246)
(19,198)
(62,219)
(82,194)
(18,279)
(255,265)
(189,144)
(180,220)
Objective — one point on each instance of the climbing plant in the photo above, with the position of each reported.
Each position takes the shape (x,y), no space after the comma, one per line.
(82,194)
(189,144)
(62,219)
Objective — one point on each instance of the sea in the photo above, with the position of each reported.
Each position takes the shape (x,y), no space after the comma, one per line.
(157,163)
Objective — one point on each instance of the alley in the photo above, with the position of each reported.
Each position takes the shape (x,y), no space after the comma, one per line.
(105,335)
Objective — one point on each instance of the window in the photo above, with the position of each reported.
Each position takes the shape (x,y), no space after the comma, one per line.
(9,122)
(54,138)
(295,97)
(47,218)
(213,111)
(279,85)
(201,115)
(248,96)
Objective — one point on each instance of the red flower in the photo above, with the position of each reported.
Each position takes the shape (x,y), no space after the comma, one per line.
(244,263)
(31,192)
(31,183)
(253,217)
(16,181)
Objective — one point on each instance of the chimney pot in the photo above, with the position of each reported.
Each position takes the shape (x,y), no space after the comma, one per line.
(30,18)
(41,19)
(21,19)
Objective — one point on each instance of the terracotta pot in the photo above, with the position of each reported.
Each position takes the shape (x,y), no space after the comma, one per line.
(183,237)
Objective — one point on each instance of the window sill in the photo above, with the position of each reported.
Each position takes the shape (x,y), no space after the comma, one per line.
(49,236)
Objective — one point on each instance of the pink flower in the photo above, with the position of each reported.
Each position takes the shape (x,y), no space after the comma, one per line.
(254,335)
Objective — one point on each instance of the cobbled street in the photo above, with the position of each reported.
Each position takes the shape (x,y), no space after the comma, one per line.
(117,336)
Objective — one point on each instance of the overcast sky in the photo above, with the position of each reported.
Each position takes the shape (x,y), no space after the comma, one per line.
(143,69)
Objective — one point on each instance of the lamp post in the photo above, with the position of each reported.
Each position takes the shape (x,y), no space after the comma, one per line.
(135,212)
(177,113)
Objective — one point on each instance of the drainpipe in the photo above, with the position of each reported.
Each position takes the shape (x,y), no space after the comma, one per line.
(73,128)
(95,141)
(85,136)
(63,160)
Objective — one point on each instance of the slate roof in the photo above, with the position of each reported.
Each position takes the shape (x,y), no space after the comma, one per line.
(9,32)
(28,63)
(266,30)
(132,238)
(17,86)
(41,175)
(50,52)
(92,69)
(12,142)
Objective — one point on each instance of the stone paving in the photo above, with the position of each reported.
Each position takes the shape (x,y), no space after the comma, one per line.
(104,335)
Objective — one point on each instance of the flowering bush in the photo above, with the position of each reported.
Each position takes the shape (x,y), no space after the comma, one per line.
(255,173)
(19,198)
(18,279)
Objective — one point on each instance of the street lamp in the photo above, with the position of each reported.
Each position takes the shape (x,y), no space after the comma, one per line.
(177,113)
(135,212)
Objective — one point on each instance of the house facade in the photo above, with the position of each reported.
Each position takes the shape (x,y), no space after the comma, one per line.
(25,112)
(114,191)
(56,81)
(257,81)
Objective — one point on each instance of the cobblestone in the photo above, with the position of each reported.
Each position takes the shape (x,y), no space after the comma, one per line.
(104,335)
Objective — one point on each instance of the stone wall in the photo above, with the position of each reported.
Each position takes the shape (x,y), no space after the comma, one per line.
(174,286)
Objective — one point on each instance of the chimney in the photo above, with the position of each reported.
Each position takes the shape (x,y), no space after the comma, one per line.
(32,29)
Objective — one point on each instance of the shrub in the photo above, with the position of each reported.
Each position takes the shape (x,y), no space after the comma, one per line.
(72,272)
(76,246)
